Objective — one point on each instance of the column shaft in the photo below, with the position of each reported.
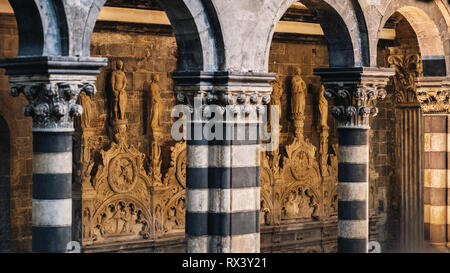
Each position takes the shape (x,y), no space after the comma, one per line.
(52,191)
(223,195)
(436,177)
(353,193)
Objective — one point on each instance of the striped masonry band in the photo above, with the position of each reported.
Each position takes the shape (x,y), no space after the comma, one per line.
(436,178)
(353,190)
(222,195)
(52,191)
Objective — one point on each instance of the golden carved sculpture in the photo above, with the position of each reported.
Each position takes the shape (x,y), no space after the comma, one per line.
(324,131)
(298,102)
(86,103)
(276,97)
(119,97)
(155,103)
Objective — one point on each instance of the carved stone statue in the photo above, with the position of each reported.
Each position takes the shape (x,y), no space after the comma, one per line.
(298,102)
(119,97)
(155,103)
(323,108)
(86,103)
(276,96)
(324,131)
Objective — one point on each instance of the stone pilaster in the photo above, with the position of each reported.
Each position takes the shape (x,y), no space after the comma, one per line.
(222,180)
(434,97)
(355,92)
(51,86)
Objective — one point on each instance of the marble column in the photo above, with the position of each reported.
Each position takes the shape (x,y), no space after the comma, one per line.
(222,183)
(355,92)
(51,86)
(434,97)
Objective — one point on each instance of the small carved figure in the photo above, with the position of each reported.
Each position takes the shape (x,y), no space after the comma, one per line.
(323,108)
(86,103)
(155,110)
(119,95)
(276,95)
(298,102)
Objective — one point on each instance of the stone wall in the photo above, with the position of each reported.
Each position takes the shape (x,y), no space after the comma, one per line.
(11,109)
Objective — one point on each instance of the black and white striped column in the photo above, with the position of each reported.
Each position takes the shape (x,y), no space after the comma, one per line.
(353,190)
(223,196)
(52,191)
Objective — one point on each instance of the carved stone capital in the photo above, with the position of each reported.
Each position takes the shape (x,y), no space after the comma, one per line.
(241,93)
(52,86)
(355,92)
(52,104)
(433,94)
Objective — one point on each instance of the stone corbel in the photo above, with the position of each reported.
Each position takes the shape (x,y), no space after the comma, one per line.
(433,94)
(355,92)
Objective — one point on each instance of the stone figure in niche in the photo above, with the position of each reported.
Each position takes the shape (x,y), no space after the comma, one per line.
(324,132)
(276,96)
(86,103)
(323,109)
(155,111)
(298,102)
(119,97)
(158,219)
(291,208)
(264,216)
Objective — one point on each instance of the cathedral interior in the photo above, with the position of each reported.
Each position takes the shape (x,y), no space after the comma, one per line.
(87,92)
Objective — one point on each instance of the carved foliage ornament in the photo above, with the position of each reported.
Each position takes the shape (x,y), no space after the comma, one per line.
(355,104)
(434,100)
(53,104)
(407,67)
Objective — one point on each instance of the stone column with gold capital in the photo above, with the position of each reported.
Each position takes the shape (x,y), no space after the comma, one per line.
(433,94)
(355,92)
(52,86)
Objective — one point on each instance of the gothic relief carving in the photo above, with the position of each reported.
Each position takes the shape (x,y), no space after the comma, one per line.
(122,218)
(116,204)
(301,194)
(170,196)
(299,203)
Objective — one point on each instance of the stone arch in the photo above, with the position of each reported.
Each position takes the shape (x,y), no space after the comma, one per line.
(197,32)
(5,220)
(64,28)
(431,32)
(42,28)
(344,27)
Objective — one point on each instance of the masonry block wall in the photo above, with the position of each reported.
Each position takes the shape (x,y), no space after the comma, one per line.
(21,146)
